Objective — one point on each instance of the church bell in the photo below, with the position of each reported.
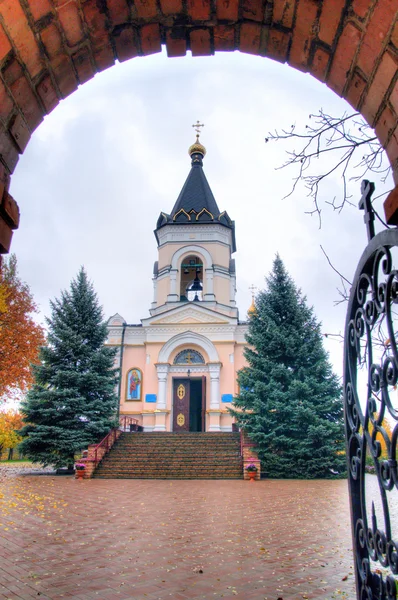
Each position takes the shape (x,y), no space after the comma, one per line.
(196,286)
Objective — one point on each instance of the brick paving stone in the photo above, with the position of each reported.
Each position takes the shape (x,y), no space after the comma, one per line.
(62,538)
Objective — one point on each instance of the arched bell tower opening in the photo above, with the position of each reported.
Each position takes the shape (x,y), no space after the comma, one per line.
(191,288)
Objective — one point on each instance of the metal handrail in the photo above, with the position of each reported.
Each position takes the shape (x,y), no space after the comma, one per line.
(108,441)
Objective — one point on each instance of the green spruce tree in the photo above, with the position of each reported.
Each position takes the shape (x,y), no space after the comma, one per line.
(290,401)
(72,402)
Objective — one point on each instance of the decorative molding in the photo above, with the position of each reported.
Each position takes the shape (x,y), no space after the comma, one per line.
(192,369)
(179,255)
(162,367)
(191,312)
(188,338)
(213,232)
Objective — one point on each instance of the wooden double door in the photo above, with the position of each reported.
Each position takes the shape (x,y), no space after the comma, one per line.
(189,404)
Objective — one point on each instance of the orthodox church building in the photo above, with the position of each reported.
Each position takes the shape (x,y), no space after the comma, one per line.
(179,365)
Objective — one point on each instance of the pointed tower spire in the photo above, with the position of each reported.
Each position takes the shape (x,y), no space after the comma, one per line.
(196,198)
(196,204)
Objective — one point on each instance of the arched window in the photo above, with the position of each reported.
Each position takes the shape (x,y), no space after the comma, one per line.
(191,279)
(189,357)
(134,385)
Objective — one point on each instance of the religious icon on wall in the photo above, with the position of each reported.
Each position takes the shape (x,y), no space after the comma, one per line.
(134,384)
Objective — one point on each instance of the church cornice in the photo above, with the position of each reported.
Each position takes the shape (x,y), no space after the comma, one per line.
(203,233)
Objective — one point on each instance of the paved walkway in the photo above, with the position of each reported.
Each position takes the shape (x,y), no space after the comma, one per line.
(135,539)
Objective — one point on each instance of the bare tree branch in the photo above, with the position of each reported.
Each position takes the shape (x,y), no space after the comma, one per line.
(347,142)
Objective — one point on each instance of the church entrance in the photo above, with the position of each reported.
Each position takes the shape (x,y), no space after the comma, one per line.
(189,404)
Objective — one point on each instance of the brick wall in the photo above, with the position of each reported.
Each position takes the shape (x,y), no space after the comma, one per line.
(49,47)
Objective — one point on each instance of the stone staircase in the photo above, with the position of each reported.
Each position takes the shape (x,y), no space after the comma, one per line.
(159,455)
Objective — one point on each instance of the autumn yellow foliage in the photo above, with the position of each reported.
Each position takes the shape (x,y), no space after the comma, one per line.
(3,298)
(10,421)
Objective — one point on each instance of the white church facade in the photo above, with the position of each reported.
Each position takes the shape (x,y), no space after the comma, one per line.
(179,365)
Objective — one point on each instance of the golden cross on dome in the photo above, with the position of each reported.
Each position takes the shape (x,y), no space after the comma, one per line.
(253,289)
(197,127)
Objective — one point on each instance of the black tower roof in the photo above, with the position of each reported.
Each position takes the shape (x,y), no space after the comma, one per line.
(196,193)
(196,204)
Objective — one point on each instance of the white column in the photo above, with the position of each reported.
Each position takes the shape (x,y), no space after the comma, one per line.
(232,289)
(215,397)
(209,295)
(161,411)
(173,296)
(162,372)
(155,292)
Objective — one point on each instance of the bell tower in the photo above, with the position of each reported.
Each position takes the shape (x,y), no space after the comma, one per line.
(195,245)
(179,365)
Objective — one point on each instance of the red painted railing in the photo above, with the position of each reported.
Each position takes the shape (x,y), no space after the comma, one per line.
(126,423)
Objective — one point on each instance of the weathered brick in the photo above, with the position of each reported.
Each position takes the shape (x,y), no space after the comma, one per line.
(83,65)
(52,41)
(224,38)
(355,90)
(227,10)
(69,18)
(375,36)
(104,57)
(64,75)
(150,39)
(303,34)
(278,44)
(5,45)
(386,124)
(200,42)
(8,152)
(39,8)
(253,10)
(6,103)
(361,7)
(20,132)
(394,98)
(10,210)
(47,93)
(26,99)
(329,20)
(250,38)
(391,207)
(198,10)
(22,36)
(4,181)
(394,35)
(320,64)
(118,11)
(343,58)
(392,154)
(5,236)
(378,87)
(176,43)
(283,12)
(146,9)
(95,20)
(126,44)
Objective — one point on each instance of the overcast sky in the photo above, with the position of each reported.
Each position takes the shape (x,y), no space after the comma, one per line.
(102,166)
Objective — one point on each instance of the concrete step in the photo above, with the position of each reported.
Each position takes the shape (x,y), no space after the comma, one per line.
(163,455)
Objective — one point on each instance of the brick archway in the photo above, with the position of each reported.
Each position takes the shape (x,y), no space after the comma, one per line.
(49,47)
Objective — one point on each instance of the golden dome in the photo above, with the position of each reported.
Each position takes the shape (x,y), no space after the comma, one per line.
(252,310)
(197,147)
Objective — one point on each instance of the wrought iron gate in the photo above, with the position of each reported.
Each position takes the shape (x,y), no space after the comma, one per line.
(371,411)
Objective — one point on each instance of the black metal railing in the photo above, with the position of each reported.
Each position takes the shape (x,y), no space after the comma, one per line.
(371,414)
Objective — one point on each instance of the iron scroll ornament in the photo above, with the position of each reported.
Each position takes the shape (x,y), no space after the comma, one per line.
(371,346)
